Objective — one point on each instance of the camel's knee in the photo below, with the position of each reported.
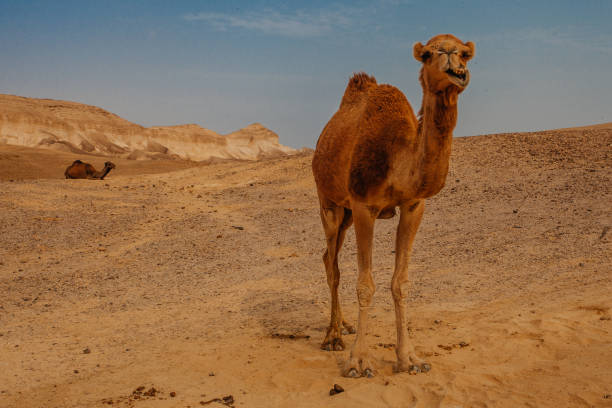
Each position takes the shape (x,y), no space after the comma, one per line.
(365,292)
(399,289)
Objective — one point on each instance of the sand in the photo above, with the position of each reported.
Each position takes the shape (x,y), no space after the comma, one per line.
(205,282)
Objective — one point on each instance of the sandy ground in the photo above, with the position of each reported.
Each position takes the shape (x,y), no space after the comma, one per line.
(205,282)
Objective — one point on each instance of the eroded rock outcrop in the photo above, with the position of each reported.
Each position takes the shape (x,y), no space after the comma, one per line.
(80,128)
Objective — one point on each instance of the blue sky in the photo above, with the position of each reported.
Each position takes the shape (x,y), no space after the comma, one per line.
(226,64)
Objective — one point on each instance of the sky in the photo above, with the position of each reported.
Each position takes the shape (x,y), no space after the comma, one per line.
(226,64)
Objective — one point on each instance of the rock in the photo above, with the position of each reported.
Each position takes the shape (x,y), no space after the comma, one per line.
(81,128)
(86,351)
(337,389)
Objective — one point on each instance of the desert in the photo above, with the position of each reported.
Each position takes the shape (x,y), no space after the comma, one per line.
(173,283)
(271,204)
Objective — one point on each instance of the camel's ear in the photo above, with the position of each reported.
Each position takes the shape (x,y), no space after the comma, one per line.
(420,52)
(468,55)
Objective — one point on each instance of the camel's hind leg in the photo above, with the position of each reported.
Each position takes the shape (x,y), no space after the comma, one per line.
(336,221)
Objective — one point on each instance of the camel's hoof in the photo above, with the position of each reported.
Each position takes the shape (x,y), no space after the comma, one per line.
(368,373)
(353,373)
(334,345)
(425,367)
(414,369)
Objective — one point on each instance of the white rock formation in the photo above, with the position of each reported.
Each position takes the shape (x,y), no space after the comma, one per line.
(80,128)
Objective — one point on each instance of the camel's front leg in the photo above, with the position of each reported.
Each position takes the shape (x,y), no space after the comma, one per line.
(360,362)
(410,218)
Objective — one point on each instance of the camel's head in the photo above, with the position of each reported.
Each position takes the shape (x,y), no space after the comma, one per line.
(109,165)
(444,59)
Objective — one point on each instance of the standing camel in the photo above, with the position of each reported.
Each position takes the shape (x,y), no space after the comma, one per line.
(80,170)
(375,155)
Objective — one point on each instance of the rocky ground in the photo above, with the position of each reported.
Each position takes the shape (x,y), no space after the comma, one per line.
(176,285)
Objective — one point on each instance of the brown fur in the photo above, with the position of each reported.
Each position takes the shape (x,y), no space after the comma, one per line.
(375,155)
(80,170)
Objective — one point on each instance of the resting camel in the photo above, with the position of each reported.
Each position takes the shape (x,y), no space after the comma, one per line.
(80,170)
(375,155)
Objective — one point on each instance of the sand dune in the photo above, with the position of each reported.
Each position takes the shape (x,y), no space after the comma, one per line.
(207,281)
(78,128)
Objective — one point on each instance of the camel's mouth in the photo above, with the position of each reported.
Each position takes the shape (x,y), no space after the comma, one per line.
(459,77)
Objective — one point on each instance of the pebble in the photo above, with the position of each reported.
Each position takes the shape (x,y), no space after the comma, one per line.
(337,389)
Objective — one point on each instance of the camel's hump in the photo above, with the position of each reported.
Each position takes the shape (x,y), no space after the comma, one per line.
(357,87)
(360,80)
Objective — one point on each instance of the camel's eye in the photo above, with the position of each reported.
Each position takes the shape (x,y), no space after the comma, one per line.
(465,54)
(426,55)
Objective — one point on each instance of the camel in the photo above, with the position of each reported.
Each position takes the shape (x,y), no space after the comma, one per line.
(372,156)
(80,170)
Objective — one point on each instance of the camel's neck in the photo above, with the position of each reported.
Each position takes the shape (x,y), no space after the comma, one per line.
(103,173)
(437,121)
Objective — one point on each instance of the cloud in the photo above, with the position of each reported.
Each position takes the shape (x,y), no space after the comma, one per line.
(298,24)
(569,37)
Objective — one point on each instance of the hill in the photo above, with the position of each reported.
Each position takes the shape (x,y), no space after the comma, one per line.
(84,129)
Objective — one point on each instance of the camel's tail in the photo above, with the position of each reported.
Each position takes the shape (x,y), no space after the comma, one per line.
(358,83)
